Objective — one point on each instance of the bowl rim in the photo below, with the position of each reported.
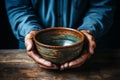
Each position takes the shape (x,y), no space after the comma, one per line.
(59,47)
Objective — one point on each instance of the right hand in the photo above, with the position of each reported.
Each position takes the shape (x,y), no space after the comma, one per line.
(87,53)
(31,52)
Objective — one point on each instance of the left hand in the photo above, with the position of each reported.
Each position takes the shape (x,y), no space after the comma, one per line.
(32,53)
(85,55)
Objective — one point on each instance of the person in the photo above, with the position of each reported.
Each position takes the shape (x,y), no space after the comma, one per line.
(92,17)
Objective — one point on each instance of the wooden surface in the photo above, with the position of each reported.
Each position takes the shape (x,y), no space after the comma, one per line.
(16,65)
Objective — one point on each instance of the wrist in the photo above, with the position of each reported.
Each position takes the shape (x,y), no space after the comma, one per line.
(86,32)
(31,34)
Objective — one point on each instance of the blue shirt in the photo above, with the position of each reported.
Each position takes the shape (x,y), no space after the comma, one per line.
(28,15)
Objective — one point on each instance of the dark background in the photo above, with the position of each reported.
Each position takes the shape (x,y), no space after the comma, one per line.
(8,41)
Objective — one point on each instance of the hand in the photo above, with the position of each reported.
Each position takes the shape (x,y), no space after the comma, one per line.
(85,55)
(33,53)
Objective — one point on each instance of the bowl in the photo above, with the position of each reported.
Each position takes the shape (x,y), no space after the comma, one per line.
(59,45)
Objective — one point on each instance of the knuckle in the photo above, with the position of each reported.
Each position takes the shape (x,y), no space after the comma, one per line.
(29,54)
(37,61)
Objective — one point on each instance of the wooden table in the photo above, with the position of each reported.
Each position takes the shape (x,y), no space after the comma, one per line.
(16,65)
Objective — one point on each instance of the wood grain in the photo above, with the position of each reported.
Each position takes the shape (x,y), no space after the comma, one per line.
(16,65)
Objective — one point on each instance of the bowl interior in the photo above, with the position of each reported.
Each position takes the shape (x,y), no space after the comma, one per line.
(58,37)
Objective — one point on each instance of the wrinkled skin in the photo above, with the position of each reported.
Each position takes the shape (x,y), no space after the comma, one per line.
(31,51)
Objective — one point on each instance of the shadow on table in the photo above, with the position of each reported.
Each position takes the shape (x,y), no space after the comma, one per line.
(103,65)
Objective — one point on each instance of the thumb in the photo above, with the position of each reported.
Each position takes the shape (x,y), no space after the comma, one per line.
(29,42)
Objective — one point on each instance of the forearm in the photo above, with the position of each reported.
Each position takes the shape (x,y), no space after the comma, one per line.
(99,17)
(21,17)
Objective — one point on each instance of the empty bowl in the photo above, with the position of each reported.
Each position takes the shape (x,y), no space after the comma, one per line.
(59,45)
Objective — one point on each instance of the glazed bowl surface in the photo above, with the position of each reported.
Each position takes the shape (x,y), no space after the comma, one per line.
(59,44)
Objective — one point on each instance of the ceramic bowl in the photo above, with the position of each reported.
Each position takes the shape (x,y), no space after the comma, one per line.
(59,44)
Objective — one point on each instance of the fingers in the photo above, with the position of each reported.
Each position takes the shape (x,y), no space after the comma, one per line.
(34,55)
(86,54)
(51,67)
(28,40)
(40,61)
(64,66)
(76,63)
(91,41)
(48,65)
(29,44)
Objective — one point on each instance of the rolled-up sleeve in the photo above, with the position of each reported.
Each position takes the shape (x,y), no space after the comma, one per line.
(22,17)
(99,17)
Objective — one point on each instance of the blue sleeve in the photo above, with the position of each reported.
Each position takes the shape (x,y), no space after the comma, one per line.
(21,17)
(99,17)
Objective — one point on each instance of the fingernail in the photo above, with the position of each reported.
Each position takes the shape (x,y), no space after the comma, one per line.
(70,64)
(91,51)
(61,68)
(48,63)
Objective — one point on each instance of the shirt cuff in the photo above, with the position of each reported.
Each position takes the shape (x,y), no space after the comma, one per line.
(90,28)
(24,31)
